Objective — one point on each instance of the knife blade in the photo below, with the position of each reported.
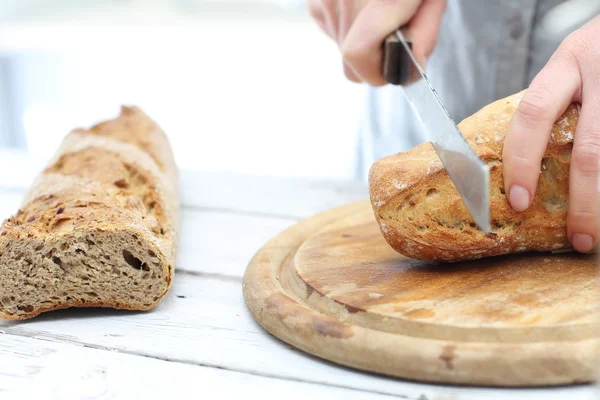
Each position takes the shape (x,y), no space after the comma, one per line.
(469,174)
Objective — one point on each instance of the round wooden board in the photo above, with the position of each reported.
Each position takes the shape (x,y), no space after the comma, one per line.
(331,286)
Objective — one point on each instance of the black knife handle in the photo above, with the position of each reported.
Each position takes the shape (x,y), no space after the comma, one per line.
(397,64)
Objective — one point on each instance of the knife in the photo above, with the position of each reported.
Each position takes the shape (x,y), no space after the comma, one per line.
(469,174)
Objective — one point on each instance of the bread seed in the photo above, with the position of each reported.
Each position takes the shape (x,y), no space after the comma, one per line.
(121,183)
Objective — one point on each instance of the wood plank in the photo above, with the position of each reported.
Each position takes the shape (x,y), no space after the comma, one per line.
(204,321)
(267,195)
(223,243)
(42,369)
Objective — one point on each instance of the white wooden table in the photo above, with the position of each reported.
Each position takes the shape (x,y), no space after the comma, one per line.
(200,342)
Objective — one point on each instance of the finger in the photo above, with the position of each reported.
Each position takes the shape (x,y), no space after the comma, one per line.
(315,9)
(549,95)
(362,48)
(330,12)
(424,27)
(582,218)
(584,174)
(350,74)
(322,11)
(348,12)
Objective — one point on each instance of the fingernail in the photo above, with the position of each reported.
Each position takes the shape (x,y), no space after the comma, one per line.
(582,242)
(519,198)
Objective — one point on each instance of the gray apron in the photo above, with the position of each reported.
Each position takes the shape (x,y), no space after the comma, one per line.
(486,50)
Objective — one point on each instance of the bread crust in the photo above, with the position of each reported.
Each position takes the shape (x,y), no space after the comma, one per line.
(422,216)
(108,202)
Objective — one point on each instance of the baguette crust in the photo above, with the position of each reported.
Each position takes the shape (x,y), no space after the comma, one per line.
(98,228)
(422,216)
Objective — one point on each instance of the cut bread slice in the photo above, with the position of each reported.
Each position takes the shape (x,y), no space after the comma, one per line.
(98,227)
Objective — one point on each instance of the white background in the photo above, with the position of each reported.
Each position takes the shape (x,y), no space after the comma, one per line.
(246,86)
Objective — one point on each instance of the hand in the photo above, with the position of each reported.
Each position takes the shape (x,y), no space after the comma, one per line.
(571,75)
(360,27)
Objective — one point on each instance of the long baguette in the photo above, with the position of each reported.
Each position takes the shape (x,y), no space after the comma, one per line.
(98,228)
(422,216)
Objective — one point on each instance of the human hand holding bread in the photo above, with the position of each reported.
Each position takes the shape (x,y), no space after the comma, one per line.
(567,85)
(571,75)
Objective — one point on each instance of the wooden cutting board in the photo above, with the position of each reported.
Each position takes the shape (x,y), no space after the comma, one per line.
(331,286)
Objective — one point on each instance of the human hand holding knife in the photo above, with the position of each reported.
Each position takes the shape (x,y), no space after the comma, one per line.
(360,28)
